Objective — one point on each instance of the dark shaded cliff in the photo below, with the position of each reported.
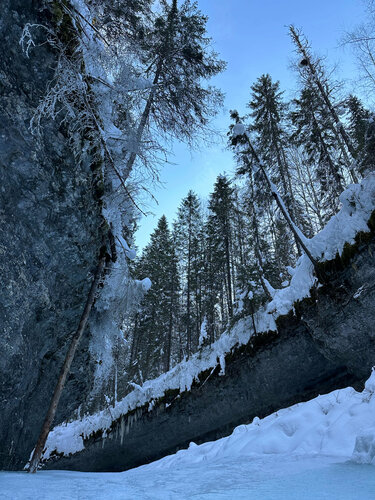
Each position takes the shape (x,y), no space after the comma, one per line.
(329,343)
(49,238)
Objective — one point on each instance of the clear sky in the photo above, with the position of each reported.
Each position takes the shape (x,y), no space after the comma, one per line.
(251,35)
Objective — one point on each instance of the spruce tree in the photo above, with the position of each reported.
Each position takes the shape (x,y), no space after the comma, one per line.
(241,139)
(119,20)
(259,262)
(313,73)
(268,112)
(313,132)
(187,229)
(177,59)
(220,235)
(358,123)
(156,320)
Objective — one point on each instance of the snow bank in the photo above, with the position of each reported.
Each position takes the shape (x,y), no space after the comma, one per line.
(358,202)
(327,425)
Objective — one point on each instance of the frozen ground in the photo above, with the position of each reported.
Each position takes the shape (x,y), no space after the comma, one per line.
(266,477)
(321,449)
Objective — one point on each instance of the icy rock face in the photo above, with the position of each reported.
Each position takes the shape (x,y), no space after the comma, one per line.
(49,240)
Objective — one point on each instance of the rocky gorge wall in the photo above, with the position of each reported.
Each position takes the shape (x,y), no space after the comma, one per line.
(51,229)
(50,234)
(327,343)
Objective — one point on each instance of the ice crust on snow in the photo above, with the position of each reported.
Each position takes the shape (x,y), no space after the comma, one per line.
(358,203)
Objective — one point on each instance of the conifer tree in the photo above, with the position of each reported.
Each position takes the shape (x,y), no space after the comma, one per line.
(268,114)
(313,132)
(177,56)
(366,159)
(220,225)
(358,123)
(187,229)
(260,263)
(240,137)
(212,283)
(119,20)
(155,324)
(314,74)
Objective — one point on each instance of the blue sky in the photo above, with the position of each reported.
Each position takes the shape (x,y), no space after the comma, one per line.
(251,35)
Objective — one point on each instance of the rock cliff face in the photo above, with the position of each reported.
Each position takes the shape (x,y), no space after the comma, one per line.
(329,343)
(50,234)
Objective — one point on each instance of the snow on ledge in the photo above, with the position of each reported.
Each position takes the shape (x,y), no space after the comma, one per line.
(358,203)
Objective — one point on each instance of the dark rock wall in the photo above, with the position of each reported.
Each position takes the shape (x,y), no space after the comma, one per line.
(49,239)
(328,344)
(342,319)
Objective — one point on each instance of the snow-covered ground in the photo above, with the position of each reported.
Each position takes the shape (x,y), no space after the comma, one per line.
(260,478)
(321,449)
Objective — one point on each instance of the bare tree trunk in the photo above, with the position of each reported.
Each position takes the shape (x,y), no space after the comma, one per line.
(39,447)
(228,272)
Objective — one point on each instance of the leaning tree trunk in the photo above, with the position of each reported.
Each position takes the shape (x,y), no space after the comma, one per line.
(284,211)
(150,101)
(38,450)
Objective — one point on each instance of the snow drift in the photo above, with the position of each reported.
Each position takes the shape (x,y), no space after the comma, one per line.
(338,424)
